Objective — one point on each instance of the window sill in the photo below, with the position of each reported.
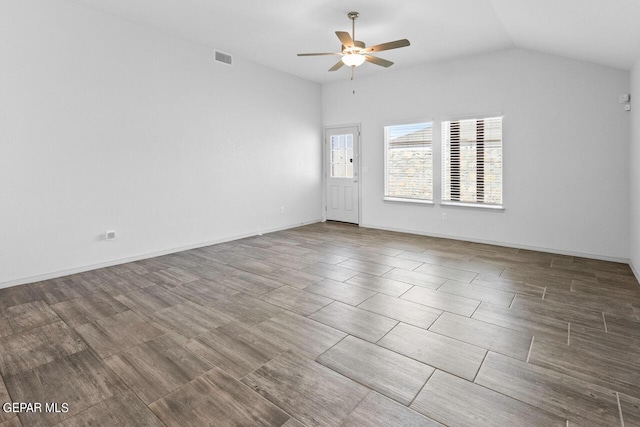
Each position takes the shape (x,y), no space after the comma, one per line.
(473,205)
(401,200)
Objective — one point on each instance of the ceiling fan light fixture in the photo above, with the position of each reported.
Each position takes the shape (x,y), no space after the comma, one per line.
(355,53)
(353,59)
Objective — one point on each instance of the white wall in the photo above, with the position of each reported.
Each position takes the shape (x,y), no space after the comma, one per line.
(105,125)
(566,142)
(634,158)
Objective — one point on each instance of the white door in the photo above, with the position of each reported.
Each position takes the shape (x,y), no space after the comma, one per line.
(341,148)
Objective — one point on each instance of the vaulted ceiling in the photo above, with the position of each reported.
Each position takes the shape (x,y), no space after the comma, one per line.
(272,32)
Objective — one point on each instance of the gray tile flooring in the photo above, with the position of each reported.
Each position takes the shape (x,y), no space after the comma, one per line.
(329,325)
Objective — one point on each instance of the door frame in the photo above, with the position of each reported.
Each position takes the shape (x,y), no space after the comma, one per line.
(325,172)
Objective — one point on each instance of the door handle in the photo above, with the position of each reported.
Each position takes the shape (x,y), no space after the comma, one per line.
(355,180)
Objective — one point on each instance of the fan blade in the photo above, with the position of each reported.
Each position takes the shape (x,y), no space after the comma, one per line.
(387,46)
(378,61)
(338,65)
(345,38)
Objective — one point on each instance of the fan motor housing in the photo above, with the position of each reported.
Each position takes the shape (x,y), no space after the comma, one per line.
(357,47)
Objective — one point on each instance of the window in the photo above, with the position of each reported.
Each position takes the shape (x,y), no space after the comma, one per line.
(408,162)
(472,162)
(342,156)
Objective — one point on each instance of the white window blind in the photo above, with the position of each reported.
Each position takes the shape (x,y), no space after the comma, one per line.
(472,161)
(409,162)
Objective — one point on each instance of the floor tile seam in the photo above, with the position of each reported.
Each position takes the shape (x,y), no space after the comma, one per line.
(601,389)
(604,389)
(620,409)
(296,312)
(607,304)
(398,320)
(390,267)
(588,377)
(562,416)
(531,331)
(359,402)
(480,366)
(400,296)
(349,333)
(422,388)
(452,268)
(121,382)
(154,320)
(280,353)
(445,295)
(412,284)
(36,327)
(530,349)
(475,345)
(188,296)
(381,347)
(352,286)
(346,282)
(87,348)
(196,378)
(368,387)
(476,309)
(377,343)
(536,314)
(238,381)
(481,300)
(288,310)
(497,391)
(606,301)
(114,396)
(331,347)
(319,309)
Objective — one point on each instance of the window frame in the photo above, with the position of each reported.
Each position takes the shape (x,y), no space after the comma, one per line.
(389,198)
(443,155)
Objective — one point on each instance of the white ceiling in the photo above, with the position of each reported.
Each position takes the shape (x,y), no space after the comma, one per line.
(271,32)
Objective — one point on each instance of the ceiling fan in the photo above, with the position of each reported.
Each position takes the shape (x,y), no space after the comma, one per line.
(354,52)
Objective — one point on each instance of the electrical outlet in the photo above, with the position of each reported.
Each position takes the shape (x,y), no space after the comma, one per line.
(445,216)
(281,209)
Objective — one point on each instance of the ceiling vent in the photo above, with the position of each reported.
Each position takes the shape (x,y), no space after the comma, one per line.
(224,58)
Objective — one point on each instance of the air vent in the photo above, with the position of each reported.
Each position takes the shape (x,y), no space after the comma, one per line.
(224,58)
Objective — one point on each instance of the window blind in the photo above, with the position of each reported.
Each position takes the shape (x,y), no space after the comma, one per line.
(409,161)
(472,161)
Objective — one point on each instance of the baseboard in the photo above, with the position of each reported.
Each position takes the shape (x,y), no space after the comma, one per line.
(118,261)
(504,244)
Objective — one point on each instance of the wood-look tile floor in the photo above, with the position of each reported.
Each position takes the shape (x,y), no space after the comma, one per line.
(328,325)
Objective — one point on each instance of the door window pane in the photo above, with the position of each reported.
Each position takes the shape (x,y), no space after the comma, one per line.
(341,157)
